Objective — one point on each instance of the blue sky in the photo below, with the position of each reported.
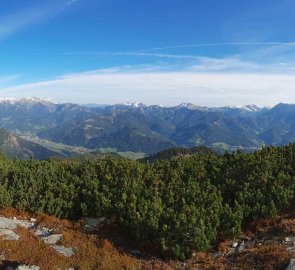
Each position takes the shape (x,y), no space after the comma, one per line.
(209,52)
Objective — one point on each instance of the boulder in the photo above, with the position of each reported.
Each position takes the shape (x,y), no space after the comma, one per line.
(12,223)
(289,239)
(241,246)
(234,244)
(8,234)
(95,222)
(291,265)
(7,223)
(291,249)
(216,254)
(67,252)
(91,224)
(43,232)
(52,239)
(25,267)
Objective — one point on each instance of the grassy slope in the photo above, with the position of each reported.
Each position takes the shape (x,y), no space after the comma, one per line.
(96,251)
(92,252)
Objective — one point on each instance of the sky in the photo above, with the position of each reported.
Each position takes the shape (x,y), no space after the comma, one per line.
(210,53)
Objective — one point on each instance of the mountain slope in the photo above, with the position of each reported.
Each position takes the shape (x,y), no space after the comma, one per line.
(149,129)
(15,147)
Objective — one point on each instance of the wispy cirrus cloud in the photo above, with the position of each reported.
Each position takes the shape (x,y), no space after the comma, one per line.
(8,79)
(160,55)
(217,44)
(236,63)
(23,18)
(252,57)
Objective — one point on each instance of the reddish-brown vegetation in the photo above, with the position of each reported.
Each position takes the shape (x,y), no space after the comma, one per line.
(96,251)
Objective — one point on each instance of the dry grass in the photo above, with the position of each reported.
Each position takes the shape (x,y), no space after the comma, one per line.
(98,252)
(91,252)
(30,250)
(273,257)
(205,261)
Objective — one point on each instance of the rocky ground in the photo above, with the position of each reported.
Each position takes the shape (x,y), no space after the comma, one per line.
(29,242)
(267,244)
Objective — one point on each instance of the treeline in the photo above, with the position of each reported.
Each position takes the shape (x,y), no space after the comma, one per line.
(177,205)
(178,152)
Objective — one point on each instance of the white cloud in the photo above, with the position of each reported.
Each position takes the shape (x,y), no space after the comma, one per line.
(26,17)
(19,20)
(8,79)
(160,55)
(234,63)
(219,44)
(206,64)
(168,88)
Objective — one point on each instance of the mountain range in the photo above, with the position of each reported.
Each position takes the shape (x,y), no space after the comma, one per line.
(67,129)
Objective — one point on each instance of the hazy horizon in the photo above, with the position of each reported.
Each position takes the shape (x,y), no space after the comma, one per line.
(131,103)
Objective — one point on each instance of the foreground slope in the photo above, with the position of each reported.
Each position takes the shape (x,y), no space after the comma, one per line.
(89,250)
(265,245)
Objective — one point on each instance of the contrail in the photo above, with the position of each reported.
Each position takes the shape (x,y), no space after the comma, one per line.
(218,44)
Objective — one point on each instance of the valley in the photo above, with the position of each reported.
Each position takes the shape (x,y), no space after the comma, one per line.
(138,130)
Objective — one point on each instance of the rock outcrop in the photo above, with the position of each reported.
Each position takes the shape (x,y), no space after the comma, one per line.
(48,236)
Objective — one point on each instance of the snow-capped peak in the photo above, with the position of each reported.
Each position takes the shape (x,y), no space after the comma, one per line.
(249,108)
(191,106)
(8,100)
(13,100)
(133,104)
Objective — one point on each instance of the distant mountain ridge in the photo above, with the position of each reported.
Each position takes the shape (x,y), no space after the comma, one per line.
(137,127)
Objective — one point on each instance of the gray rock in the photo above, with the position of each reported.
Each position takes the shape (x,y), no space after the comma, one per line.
(241,246)
(235,244)
(91,224)
(88,228)
(291,249)
(291,265)
(7,234)
(9,223)
(67,252)
(25,267)
(95,222)
(43,232)
(216,254)
(26,224)
(52,239)
(289,239)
